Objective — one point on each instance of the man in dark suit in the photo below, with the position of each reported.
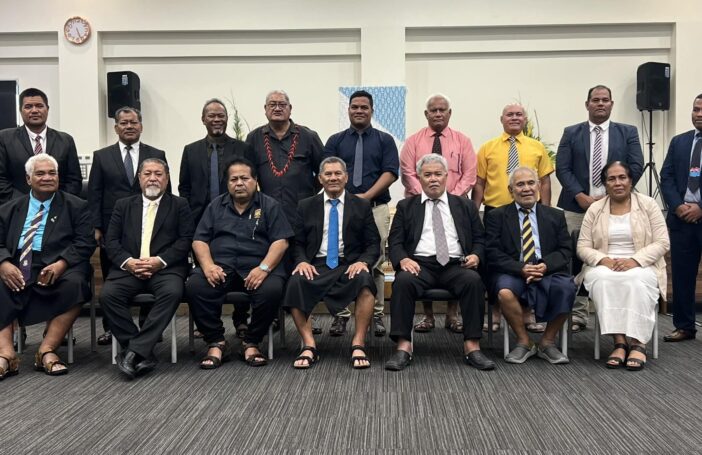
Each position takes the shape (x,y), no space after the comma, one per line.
(32,138)
(113,177)
(529,251)
(148,242)
(436,240)
(336,243)
(46,241)
(584,150)
(680,186)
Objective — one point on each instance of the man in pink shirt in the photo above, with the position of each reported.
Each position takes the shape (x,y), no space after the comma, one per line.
(457,149)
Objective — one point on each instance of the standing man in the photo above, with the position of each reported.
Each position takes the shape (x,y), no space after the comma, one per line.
(457,149)
(33,138)
(372,162)
(680,186)
(113,177)
(584,150)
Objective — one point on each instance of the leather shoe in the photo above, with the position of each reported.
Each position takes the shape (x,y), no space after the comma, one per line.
(316,329)
(379,326)
(478,360)
(679,335)
(399,361)
(146,366)
(338,326)
(105,339)
(125,362)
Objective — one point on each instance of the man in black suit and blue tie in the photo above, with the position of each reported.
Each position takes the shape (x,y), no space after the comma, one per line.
(585,148)
(680,186)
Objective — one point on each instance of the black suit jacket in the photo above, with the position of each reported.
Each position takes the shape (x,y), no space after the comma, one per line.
(504,243)
(674,174)
(360,234)
(108,181)
(194,182)
(68,234)
(16,149)
(573,159)
(170,240)
(406,229)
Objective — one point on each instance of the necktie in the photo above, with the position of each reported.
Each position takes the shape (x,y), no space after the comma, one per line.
(128,165)
(214,173)
(513,157)
(147,231)
(333,235)
(37,146)
(358,162)
(437,224)
(597,158)
(528,248)
(26,255)
(693,179)
(436,146)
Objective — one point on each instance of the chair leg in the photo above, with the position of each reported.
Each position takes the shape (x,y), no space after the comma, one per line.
(597,337)
(270,342)
(191,332)
(93,332)
(489,324)
(564,336)
(114,349)
(655,336)
(505,336)
(70,345)
(20,339)
(174,347)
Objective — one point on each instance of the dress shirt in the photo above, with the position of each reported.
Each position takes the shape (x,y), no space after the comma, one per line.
(33,139)
(492,165)
(534,231)
(426,245)
(595,191)
(145,207)
(689,196)
(325,232)
(455,147)
(32,211)
(379,156)
(133,154)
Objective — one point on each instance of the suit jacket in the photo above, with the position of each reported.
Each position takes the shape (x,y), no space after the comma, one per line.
(573,159)
(504,240)
(108,181)
(16,149)
(360,234)
(674,173)
(194,182)
(170,240)
(406,229)
(68,233)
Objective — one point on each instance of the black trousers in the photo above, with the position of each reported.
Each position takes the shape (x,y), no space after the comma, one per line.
(685,253)
(464,283)
(116,298)
(206,304)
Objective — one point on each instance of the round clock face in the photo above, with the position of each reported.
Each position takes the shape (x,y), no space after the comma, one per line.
(76,30)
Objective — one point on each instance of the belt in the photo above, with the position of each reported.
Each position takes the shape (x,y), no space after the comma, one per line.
(377,203)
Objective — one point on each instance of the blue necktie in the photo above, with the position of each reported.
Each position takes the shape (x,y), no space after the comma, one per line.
(333,236)
(214,173)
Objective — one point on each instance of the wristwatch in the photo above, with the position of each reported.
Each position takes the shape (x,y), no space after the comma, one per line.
(264,267)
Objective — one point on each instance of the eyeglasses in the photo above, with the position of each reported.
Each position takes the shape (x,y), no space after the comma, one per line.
(273,105)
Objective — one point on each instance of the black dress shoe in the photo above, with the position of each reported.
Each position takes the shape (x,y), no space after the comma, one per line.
(105,339)
(679,335)
(146,366)
(399,361)
(338,326)
(316,329)
(125,362)
(379,326)
(478,360)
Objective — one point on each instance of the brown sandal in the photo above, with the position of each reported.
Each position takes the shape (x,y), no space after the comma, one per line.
(48,367)
(425,325)
(254,360)
(454,325)
(12,367)
(217,362)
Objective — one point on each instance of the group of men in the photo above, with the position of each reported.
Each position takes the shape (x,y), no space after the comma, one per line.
(253,217)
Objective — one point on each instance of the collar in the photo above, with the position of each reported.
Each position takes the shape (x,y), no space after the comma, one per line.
(123,146)
(292,128)
(364,131)
(33,135)
(145,201)
(340,198)
(227,199)
(220,142)
(505,137)
(47,203)
(442,133)
(443,197)
(604,125)
(533,209)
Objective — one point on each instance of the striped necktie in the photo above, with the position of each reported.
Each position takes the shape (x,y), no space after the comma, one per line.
(597,157)
(26,255)
(528,248)
(513,156)
(37,145)
(148,230)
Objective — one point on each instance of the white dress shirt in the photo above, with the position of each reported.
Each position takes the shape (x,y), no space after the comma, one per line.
(594,190)
(325,232)
(144,209)
(426,245)
(133,154)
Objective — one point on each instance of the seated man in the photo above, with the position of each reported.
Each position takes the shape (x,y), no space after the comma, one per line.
(148,242)
(529,250)
(336,241)
(46,240)
(436,240)
(239,242)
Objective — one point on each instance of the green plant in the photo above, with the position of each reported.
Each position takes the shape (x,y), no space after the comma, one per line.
(238,121)
(532,130)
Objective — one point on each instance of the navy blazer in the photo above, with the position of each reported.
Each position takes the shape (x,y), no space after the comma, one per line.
(573,159)
(674,173)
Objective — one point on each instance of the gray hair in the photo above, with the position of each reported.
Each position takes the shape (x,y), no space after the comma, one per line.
(40,158)
(277,92)
(126,110)
(153,161)
(519,105)
(432,158)
(528,169)
(438,96)
(331,160)
(213,101)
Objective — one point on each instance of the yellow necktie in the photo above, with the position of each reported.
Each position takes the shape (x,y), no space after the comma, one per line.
(147,231)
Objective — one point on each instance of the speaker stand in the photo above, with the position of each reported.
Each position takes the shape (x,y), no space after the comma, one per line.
(651,166)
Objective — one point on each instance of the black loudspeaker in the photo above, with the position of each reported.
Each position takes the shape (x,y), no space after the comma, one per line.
(8,104)
(122,91)
(653,87)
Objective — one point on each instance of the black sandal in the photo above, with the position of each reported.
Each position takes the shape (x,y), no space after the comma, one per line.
(620,361)
(12,367)
(359,358)
(48,367)
(638,363)
(255,360)
(216,361)
(310,360)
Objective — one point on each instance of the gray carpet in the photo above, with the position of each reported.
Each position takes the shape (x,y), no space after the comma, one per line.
(438,405)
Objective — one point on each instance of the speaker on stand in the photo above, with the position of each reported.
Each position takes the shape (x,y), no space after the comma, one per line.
(122,91)
(8,104)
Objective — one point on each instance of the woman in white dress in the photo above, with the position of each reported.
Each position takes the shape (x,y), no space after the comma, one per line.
(622,242)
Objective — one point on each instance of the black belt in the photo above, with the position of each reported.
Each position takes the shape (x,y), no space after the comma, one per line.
(377,203)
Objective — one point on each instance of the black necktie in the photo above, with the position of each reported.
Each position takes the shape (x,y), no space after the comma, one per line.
(128,165)
(693,178)
(436,147)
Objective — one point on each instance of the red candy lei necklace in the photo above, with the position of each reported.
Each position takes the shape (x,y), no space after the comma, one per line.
(269,154)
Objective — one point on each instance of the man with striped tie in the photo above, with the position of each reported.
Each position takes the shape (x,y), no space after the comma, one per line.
(529,252)
(582,153)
